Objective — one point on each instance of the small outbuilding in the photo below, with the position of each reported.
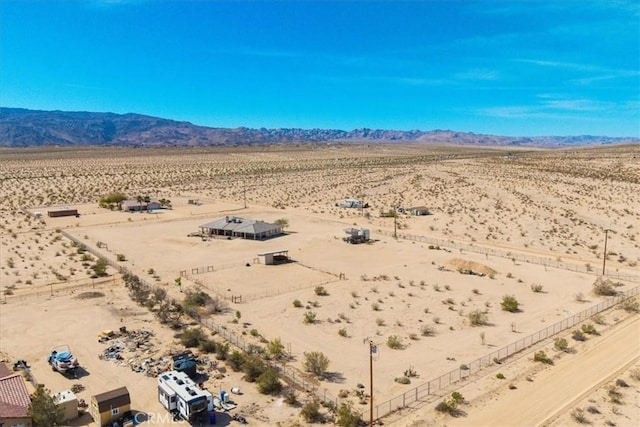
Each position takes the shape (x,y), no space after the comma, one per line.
(110,406)
(275,257)
(63,212)
(419,211)
(68,401)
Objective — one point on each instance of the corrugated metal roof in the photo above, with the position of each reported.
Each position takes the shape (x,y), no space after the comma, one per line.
(241,225)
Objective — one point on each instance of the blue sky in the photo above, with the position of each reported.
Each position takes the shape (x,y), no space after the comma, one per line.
(500,67)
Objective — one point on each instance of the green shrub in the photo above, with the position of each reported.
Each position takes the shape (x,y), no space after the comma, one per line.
(192,337)
(196,299)
(297,303)
(311,412)
(395,342)
(207,346)
(478,318)
(321,291)
(253,367)
(427,331)
(578,335)
(561,344)
(316,363)
(541,356)
(450,405)
(235,360)
(510,303)
(588,328)
(275,349)
(222,351)
(630,305)
(346,416)
(309,318)
(604,287)
(500,376)
(537,288)
(343,332)
(269,382)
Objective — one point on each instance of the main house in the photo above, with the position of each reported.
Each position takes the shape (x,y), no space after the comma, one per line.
(233,226)
(14,400)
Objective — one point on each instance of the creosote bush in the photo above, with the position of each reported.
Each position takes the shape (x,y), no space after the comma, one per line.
(478,318)
(311,412)
(631,305)
(450,405)
(309,318)
(604,287)
(395,342)
(541,356)
(316,363)
(561,344)
(510,303)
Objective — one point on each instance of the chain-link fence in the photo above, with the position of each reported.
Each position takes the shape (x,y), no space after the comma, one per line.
(429,391)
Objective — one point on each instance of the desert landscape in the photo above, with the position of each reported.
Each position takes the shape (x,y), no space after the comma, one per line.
(521,281)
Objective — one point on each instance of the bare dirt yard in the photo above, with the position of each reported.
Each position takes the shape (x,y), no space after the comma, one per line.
(506,263)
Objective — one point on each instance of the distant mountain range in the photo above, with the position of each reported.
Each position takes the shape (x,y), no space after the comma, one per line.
(27,128)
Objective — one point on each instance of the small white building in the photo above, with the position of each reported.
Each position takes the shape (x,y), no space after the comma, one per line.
(68,401)
(180,394)
(351,203)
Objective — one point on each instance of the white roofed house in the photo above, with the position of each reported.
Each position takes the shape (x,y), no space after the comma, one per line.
(419,210)
(232,226)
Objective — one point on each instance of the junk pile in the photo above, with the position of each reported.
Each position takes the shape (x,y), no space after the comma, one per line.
(137,350)
(134,349)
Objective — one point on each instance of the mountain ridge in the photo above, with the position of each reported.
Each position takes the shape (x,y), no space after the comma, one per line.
(20,127)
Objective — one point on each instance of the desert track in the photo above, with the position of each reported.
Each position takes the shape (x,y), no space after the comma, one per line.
(557,388)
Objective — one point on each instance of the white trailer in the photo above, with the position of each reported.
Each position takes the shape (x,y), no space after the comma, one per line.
(182,397)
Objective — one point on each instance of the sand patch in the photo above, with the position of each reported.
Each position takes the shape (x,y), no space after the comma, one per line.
(471,267)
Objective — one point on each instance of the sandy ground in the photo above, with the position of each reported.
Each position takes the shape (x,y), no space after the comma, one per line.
(492,210)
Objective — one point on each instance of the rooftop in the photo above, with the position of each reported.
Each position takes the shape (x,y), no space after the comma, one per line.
(14,397)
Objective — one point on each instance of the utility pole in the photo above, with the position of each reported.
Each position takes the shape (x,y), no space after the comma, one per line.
(604,256)
(395,222)
(372,349)
(244,185)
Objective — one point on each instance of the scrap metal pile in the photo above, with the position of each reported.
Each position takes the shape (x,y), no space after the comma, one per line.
(134,349)
(137,350)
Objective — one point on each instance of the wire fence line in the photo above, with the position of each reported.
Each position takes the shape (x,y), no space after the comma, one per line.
(514,255)
(245,297)
(423,393)
(427,391)
(59,289)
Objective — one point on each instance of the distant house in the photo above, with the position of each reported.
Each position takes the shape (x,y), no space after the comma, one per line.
(14,402)
(419,210)
(63,212)
(110,406)
(133,205)
(352,203)
(233,226)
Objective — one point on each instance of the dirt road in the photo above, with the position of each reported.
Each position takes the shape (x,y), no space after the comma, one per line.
(557,388)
